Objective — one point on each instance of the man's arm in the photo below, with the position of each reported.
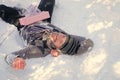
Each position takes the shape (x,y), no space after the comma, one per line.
(31,52)
(18,57)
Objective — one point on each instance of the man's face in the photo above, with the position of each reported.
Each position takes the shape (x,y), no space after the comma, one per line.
(58,39)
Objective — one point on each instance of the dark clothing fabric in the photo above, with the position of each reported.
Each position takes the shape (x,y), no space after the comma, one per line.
(11,15)
(36,35)
(72,44)
(32,52)
(47,5)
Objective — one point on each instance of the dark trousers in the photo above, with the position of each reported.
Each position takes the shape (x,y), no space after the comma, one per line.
(11,14)
(47,5)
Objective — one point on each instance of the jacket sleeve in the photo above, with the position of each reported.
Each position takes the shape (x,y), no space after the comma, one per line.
(27,53)
(31,52)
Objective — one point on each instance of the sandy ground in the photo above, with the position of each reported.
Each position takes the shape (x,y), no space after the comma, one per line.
(95,19)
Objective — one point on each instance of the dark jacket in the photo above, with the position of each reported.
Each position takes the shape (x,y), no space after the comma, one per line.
(35,36)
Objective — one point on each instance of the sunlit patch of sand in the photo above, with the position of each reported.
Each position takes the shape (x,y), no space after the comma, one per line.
(116,68)
(99,26)
(108,3)
(94,63)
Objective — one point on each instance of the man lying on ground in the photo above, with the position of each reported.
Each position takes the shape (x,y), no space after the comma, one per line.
(42,37)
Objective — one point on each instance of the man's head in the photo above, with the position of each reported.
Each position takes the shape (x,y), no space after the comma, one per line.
(63,42)
(69,44)
(56,40)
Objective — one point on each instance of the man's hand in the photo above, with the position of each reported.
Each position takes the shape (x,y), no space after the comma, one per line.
(55,53)
(19,63)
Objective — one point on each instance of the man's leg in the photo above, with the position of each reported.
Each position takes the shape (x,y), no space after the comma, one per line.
(10,15)
(47,5)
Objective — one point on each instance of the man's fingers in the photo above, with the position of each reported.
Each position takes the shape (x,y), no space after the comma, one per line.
(55,53)
(19,63)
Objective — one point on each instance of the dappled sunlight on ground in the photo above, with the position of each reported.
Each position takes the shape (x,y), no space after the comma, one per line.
(94,63)
(115,37)
(99,26)
(48,71)
(42,72)
(103,38)
(107,3)
(116,68)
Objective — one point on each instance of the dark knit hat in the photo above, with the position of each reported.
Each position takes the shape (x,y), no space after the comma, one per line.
(70,46)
